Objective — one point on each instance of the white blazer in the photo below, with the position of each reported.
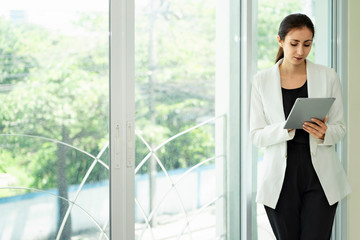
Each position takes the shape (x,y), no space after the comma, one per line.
(267,120)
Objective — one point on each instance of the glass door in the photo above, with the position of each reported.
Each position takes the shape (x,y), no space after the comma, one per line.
(179,148)
(54,114)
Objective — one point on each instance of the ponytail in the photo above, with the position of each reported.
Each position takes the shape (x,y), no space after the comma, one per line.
(280,54)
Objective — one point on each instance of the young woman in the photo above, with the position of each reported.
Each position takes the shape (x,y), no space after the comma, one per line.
(303,179)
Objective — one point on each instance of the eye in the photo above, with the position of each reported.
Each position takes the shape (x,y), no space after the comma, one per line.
(307,45)
(293,44)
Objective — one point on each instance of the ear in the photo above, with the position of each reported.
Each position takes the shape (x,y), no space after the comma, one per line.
(280,41)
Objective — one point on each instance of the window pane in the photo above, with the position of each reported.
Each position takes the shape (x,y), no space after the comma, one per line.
(54,174)
(177,167)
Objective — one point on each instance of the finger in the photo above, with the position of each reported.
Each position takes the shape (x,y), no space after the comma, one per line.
(313,126)
(325,119)
(313,132)
(310,131)
(321,124)
(318,121)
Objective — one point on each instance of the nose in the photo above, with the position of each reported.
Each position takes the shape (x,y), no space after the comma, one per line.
(300,50)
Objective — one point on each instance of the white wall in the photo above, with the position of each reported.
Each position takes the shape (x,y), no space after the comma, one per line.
(354,118)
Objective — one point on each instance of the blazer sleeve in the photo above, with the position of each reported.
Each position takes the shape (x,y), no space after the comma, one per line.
(335,123)
(263,133)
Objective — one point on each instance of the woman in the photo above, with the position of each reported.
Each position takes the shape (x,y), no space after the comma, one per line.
(303,179)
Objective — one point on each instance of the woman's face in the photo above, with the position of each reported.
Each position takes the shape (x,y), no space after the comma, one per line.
(296,45)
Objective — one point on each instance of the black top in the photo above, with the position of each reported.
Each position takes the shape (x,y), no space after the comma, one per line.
(289,96)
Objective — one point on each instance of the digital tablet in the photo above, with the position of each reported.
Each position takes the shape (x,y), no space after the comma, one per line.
(306,108)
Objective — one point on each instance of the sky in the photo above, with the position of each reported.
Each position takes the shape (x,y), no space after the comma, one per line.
(50,13)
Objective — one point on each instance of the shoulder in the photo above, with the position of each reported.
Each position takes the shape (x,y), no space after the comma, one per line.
(262,77)
(322,71)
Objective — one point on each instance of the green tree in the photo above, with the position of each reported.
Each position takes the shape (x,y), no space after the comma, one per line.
(65,98)
(175,59)
(15,63)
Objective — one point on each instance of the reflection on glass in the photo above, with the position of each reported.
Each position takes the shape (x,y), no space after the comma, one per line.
(54,174)
(176,173)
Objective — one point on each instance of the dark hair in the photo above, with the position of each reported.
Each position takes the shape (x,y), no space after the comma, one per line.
(296,20)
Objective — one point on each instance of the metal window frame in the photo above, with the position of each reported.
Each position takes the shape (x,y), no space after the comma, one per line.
(122,105)
(340,64)
(248,68)
(228,103)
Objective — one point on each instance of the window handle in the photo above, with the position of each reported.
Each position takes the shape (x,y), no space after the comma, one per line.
(117,146)
(129,144)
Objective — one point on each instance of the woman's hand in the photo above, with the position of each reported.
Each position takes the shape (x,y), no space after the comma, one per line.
(317,129)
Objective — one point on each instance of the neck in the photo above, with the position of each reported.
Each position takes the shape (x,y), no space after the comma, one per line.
(289,68)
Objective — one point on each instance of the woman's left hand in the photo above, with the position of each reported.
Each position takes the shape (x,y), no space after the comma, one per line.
(317,128)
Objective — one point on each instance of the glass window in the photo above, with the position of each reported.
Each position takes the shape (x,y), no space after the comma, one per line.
(178,163)
(54,159)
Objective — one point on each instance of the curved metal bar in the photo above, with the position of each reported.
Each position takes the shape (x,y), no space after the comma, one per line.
(177,135)
(102,150)
(196,166)
(100,154)
(50,140)
(153,150)
(104,227)
(147,223)
(188,130)
(58,142)
(147,156)
(104,164)
(62,198)
(197,213)
(76,196)
(173,186)
(143,162)
(142,139)
(175,183)
(163,197)
(58,236)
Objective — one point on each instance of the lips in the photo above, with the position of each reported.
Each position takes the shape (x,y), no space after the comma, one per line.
(297,58)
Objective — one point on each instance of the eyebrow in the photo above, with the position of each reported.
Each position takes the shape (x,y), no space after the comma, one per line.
(299,40)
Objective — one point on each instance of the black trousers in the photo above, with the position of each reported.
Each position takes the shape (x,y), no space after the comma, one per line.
(302,212)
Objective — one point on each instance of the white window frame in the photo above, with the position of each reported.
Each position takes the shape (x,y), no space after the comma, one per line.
(340,63)
(122,153)
(227,102)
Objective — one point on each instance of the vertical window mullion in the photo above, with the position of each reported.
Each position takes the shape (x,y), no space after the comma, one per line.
(122,119)
(247,69)
(340,50)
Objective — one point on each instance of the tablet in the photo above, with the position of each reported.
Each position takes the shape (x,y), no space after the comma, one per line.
(306,108)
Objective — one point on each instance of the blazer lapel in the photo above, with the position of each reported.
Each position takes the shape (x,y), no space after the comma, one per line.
(314,84)
(276,94)
(313,91)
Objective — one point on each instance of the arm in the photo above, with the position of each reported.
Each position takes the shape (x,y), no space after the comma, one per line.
(335,126)
(334,130)
(262,133)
